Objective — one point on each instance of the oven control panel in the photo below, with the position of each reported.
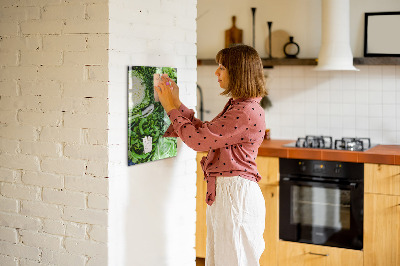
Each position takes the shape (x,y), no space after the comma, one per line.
(317,168)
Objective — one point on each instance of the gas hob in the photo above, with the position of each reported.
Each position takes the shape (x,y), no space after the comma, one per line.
(327,142)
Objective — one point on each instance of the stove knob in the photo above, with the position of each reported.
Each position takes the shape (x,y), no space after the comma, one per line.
(338,169)
(302,166)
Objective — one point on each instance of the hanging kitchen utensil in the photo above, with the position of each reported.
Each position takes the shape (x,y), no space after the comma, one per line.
(269,38)
(233,36)
(253,10)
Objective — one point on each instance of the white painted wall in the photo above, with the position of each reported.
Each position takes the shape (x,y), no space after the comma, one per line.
(301,19)
(53,133)
(341,104)
(295,17)
(152,205)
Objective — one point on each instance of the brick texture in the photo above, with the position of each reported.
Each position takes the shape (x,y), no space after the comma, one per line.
(151,33)
(62,132)
(53,119)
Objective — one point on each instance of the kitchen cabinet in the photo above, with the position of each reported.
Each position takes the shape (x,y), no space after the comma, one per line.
(381,230)
(271,232)
(269,185)
(268,167)
(269,170)
(381,221)
(382,179)
(382,215)
(300,254)
(201,205)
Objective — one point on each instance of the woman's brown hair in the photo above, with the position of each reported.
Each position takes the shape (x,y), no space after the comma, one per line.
(245,69)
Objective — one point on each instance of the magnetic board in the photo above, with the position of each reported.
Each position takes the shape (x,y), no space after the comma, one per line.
(147,120)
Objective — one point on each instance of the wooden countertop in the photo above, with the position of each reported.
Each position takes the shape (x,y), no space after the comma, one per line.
(380,154)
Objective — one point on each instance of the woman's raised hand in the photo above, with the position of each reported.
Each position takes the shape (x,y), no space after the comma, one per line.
(165,94)
(175,92)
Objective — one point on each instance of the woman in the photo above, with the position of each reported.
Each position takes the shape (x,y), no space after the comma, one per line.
(236,211)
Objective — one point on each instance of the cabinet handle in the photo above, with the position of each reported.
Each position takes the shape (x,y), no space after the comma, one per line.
(318,254)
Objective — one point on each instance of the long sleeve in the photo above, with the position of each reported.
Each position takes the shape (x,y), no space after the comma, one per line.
(185,112)
(232,127)
(232,139)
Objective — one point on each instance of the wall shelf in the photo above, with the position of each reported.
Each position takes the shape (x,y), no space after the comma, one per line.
(269,63)
(288,62)
(377,61)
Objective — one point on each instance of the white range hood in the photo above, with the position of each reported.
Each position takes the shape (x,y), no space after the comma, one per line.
(335,53)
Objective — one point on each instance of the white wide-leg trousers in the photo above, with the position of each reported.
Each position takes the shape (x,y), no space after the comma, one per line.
(235,223)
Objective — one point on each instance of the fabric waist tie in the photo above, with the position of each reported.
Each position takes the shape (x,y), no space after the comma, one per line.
(210,196)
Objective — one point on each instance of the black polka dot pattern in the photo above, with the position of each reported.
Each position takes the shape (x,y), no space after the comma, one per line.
(233,139)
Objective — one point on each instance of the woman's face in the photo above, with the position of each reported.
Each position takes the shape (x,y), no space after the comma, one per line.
(223,76)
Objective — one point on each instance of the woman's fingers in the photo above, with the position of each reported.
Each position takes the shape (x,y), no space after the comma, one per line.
(165,96)
(175,91)
(167,89)
(165,80)
(164,92)
(169,82)
(164,88)
(158,90)
(172,82)
(164,83)
(168,95)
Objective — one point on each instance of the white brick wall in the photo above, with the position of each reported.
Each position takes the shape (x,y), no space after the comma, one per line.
(63,132)
(152,205)
(53,132)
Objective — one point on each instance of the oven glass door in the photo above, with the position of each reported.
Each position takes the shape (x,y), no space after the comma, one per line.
(322,213)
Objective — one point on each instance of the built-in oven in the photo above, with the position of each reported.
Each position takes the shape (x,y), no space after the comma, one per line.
(321,202)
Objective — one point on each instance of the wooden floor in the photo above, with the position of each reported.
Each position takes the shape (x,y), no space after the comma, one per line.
(200,262)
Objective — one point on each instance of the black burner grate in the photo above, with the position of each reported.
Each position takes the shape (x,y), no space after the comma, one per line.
(353,144)
(326,142)
(322,142)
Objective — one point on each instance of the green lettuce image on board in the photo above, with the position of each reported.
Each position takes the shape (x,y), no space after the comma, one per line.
(147,120)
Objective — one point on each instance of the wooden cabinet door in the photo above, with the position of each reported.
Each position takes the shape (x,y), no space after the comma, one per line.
(201,205)
(268,167)
(381,230)
(271,232)
(382,179)
(299,254)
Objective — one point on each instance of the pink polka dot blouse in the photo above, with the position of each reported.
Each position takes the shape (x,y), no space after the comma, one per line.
(232,139)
